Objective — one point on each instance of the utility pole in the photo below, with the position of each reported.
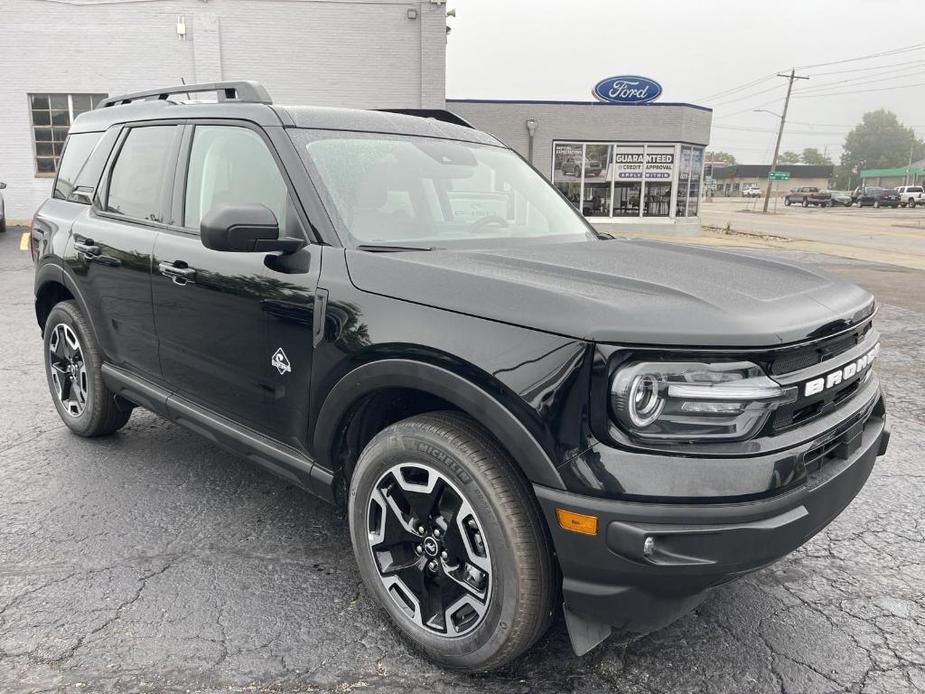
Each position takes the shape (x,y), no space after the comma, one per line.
(780,133)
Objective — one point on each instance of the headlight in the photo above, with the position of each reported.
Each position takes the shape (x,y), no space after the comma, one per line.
(673,401)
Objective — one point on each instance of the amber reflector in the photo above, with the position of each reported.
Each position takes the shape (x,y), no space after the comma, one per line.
(576,522)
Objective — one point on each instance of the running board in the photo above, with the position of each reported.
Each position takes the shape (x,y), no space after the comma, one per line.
(284,461)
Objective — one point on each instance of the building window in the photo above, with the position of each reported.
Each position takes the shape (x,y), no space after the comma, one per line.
(52,115)
(659,174)
(566,173)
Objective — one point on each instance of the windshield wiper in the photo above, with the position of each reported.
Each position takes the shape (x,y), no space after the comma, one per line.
(386,248)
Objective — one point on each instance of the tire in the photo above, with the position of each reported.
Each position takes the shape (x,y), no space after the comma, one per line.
(912,203)
(495,510)
(786,202)
(805,202)
(2,225)
(72,356)
(876,204)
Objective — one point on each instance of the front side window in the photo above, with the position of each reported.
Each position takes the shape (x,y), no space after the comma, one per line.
(408,190)
(140,175)
(51,116)
(231,165)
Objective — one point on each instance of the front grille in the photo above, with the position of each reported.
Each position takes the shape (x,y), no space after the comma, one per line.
(819,359)
(804,357)
(842,444)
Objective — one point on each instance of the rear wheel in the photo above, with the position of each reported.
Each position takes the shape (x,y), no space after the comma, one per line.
(876,204)
(449,539)
(805,202)
(72,367)
(912,202)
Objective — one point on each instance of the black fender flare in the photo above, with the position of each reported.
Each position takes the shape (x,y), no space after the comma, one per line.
(52,273)
(443,383)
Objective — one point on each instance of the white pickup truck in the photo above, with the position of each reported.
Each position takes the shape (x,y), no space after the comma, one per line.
(911,195)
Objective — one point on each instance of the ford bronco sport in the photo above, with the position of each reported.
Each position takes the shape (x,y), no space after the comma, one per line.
(397,313)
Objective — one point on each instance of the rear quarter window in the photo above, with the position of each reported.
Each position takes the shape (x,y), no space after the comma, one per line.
(77,150)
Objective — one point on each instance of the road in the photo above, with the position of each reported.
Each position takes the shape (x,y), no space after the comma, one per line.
(153,561)
(892,236)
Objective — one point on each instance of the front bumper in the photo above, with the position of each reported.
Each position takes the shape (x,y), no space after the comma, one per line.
(649,563)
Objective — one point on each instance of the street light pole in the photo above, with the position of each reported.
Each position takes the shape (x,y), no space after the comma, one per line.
(780,132)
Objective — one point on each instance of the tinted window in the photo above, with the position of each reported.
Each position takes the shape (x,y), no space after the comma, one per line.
(76,152)
(231,165)
(139,177)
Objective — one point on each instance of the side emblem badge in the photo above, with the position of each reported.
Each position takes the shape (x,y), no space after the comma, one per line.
(280,362)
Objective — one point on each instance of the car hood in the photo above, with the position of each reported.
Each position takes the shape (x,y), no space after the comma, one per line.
(622,291)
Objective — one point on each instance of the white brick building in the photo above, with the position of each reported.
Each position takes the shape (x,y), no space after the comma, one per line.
(358,53)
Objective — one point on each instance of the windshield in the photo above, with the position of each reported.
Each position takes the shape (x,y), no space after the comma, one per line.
(401,190)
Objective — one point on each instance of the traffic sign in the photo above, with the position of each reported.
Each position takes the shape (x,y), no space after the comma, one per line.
(778,175)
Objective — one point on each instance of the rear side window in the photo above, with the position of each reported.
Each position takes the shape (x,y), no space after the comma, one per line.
(77,150)
(231,165)
(139,176)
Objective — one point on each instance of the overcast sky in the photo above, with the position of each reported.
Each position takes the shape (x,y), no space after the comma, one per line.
(558,49)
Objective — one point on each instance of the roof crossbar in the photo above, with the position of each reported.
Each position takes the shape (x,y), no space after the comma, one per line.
(239,91)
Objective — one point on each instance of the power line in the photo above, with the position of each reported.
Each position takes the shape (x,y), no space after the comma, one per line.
(860,91)
(776,87)
(894,51)
(738,88)
(791,78)
(865,79)
(865,69)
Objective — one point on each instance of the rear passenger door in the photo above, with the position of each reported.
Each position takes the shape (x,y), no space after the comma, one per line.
(209,305)
(112,244)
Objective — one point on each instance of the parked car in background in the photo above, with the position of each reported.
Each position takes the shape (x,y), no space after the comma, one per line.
(840,197)
(751,191)
(572,167)
(911,195)
(2,210)
(875,197)
(806,196)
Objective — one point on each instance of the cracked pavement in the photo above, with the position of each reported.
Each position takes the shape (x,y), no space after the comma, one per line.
(154,561)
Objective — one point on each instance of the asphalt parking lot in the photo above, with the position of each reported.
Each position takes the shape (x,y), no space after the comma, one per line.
(153,561)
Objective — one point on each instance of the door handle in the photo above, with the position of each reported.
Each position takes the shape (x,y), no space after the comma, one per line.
(181,274)
(86,247)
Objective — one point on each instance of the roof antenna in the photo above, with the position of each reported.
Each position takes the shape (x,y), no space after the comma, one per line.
(188,97)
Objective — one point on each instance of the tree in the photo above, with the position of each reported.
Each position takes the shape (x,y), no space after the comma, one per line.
(723,157)
(788,158)
(813,156)
(879,141)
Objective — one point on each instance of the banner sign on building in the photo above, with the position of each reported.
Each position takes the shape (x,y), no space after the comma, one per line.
(628,166)
(627,89)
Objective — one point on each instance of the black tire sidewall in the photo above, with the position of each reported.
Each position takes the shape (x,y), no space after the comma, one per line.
(89,420)
(464,652)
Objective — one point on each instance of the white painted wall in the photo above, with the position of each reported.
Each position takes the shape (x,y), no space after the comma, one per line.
(355,53)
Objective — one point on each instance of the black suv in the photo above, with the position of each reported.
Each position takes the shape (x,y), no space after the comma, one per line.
(397,313)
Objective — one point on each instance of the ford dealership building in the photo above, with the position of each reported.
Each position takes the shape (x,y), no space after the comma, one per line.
(638,162)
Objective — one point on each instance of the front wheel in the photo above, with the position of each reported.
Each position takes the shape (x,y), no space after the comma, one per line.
(786,202)
(72,367)
(805,202)
(450,541)
(876,204)
(912,203)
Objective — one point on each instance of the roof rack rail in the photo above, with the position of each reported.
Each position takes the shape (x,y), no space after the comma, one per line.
(435,113)
(239,91)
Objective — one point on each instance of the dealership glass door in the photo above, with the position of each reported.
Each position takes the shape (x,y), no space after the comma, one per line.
(658,180)
(627,171)
(596,191)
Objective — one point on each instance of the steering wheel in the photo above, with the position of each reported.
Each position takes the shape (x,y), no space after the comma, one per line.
(487,221)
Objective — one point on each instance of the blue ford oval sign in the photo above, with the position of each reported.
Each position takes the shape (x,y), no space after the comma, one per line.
(627,89)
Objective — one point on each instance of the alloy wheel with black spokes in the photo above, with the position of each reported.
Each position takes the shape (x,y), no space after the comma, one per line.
(73,362)
(449,540)
(68,369)
(429,549)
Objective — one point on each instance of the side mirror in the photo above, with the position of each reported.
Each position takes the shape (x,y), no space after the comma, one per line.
(244,229)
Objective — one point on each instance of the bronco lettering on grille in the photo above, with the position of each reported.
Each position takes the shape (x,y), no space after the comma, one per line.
(830,380)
